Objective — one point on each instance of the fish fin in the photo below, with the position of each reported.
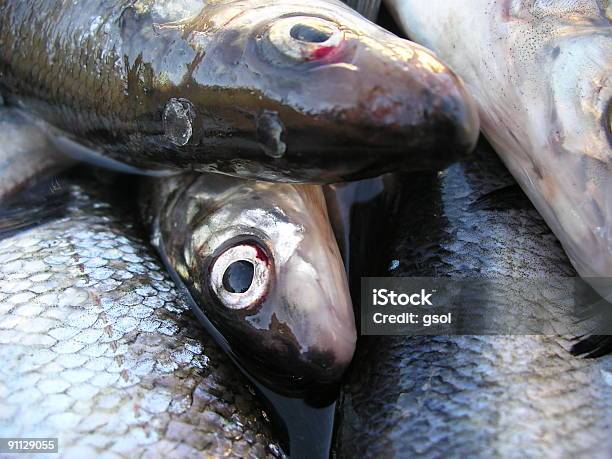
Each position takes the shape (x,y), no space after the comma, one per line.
(367,8)
(508,197)
(592,346)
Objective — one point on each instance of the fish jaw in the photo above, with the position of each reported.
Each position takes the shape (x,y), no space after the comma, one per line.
(292,323)
(544,102)
(570,178)
(561,152)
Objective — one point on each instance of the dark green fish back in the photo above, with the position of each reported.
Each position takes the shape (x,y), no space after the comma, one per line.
(367,8)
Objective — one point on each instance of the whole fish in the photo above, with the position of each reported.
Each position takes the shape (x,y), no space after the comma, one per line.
(540,73)
(233,87)
(261,262)
(98,349)
(474,396)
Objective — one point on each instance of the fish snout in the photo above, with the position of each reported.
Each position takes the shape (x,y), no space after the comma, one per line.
(313,357)
(407,96)
(317,311)
(388,105)
(333,351)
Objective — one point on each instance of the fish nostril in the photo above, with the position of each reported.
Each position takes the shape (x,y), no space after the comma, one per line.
(238,276)
(309,34)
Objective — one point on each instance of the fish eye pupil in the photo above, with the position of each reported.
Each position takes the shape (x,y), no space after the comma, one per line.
(238,276)
(309,34)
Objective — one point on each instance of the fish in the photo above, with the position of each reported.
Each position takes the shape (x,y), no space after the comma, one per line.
(473,396)
(100,350)
(262,264)
(356,211)
(25,154)
(232,87)
(540,74)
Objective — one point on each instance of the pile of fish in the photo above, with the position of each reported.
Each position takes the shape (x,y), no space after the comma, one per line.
(250,122)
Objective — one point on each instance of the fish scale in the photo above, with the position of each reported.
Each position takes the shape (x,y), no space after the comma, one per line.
(471,396)
(99,349)
(476,396)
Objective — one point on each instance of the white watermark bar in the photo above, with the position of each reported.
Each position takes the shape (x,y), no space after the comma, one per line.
(28,445)
(498,306)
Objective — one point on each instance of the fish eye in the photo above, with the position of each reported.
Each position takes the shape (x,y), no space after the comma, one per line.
(301,39)
(240,276)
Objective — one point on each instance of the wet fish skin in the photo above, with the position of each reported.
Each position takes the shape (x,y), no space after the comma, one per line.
(501,396)
(99,350)
(202,86)
(293,323)
(357,211)
(25,153)
(473,396)
(544,97)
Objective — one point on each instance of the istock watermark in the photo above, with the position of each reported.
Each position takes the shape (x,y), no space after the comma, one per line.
(383,297)
(503,306)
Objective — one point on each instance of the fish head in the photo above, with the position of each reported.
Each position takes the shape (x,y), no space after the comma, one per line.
(282,71)
(262,263)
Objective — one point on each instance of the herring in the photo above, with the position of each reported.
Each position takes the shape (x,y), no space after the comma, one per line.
(261,263)
(280,90)
(541,74)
